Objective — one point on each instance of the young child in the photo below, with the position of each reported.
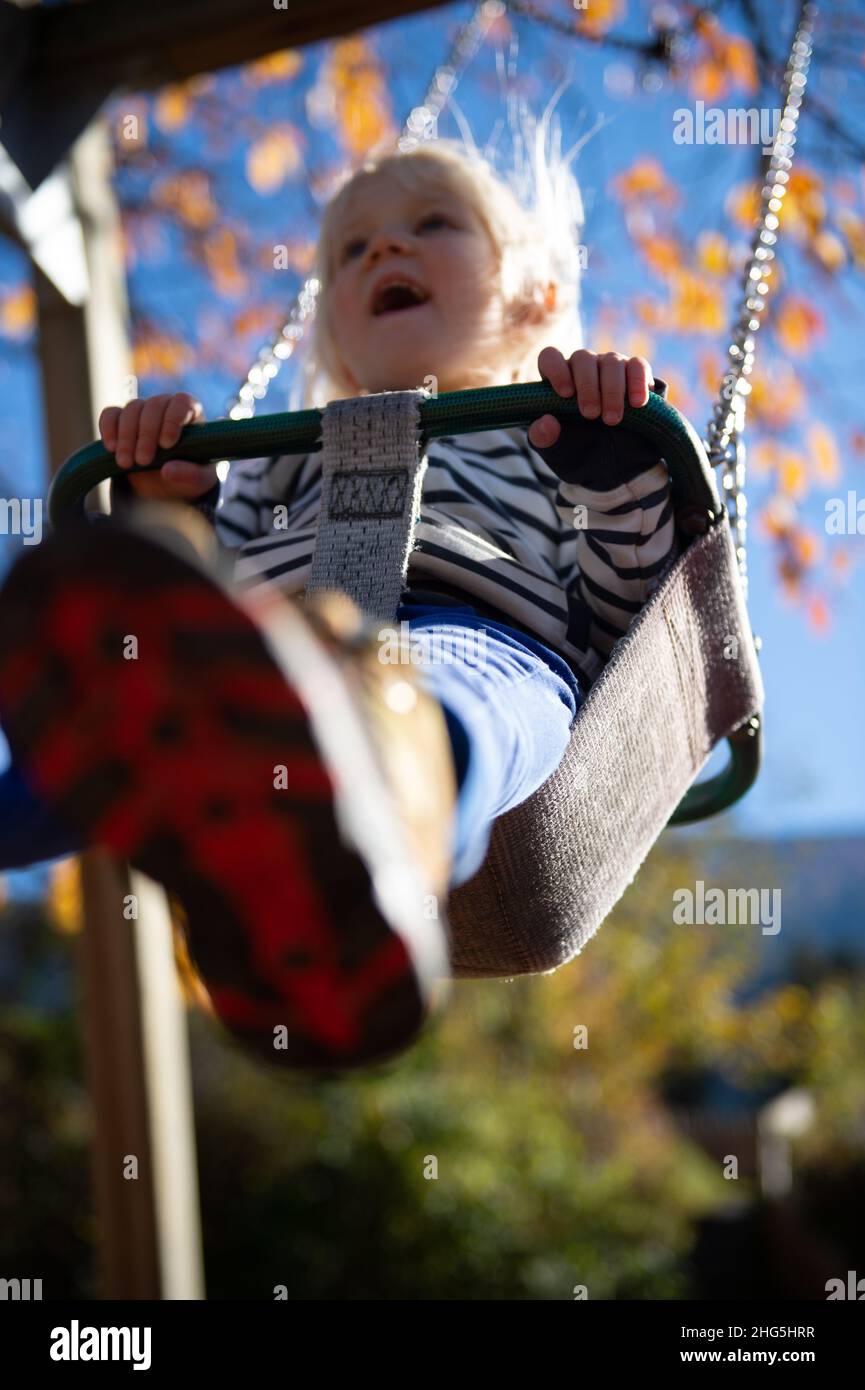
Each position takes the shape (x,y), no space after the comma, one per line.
(304,899)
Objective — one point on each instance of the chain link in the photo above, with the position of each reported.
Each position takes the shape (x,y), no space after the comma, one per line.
(723,440)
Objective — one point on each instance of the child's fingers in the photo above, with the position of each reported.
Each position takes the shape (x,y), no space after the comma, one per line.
(584,371)
(554,369)
(638,373)
(127,432)
(611,367)
(182,410)
(108,422)
(186,479)
(149,425)
(544,431)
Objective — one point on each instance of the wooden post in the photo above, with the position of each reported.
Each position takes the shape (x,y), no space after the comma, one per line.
(134,1025)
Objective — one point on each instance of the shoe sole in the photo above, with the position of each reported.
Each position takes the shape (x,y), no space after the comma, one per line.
(152,716)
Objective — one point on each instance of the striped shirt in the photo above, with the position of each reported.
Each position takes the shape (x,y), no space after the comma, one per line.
(570,564)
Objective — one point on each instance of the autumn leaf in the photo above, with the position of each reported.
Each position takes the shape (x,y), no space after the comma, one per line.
(188,196)
(765,456)
(792,474)
(824,453)
(696,307)
(160,354)
(727,63)
(645,180)
(649,311)
(840,562)
(256,319)
(172,107)
(362,95)
(797,324)
(742,204)
(661,254)
(713,253)
(710,370)
(828,248)
(804,204)
(777,396)
(274,67)
(599,16)
(18,312)
(853,228)
(807,547)
(818,614)
(275,157)
(220,256)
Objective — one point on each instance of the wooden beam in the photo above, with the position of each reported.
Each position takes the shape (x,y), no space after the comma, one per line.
(133,1019)
(63,63)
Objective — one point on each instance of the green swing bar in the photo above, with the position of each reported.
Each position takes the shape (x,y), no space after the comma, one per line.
(461,412)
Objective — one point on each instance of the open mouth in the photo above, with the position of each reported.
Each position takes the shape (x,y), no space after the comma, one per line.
(398,298)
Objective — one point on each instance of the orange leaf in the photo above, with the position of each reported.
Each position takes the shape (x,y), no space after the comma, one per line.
(777,397)
(713,253)
(711,369)
(600,16)
(840,561)
(273,159)
(645,179)
(662,254)
(697,307)
(818,614)
(741,62)
(765,456)
(824,451)
(807,548)
(187,195)
(281,66)
(743,204)
(160,354)
(18,312)
(220,254)
(172,106)
(793,474)
(362,95)
(797,324)
(830,250)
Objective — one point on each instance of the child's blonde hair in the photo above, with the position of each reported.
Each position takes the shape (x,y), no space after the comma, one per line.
(535,247)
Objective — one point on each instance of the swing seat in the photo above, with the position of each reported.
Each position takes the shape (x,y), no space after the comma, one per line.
(683,677)
(558,863)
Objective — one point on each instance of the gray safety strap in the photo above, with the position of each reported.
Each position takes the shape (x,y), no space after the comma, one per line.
(372,475)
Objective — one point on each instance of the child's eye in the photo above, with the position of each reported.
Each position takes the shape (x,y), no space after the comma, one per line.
(433,217)
(353,247)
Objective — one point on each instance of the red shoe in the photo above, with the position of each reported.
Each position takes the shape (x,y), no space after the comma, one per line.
(256,758)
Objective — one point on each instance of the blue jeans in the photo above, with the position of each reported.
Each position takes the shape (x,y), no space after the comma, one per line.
(509,704)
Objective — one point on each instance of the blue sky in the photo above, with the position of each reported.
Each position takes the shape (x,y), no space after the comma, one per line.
(815,748)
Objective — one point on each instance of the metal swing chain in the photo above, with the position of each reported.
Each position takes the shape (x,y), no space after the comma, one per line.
(723,442)
(419,122)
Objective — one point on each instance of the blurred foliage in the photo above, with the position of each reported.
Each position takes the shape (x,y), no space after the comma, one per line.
(556,1166)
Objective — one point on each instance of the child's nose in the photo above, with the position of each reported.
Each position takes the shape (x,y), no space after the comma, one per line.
(387,241)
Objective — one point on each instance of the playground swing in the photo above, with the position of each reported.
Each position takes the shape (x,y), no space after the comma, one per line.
(684,677)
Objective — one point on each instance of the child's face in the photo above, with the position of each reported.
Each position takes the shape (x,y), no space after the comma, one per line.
(458,334)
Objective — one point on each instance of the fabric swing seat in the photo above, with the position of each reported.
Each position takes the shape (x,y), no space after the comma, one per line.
(558,863)
(683,677)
